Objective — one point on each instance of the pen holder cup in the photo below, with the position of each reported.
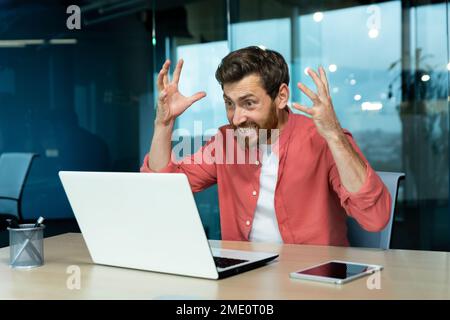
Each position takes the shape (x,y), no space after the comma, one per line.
(26,245)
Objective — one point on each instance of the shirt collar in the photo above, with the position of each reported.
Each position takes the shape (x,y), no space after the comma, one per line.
(287,129)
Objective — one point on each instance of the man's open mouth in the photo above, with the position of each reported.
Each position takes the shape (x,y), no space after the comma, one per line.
(247,131)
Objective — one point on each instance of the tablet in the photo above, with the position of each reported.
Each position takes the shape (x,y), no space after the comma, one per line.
(336,271)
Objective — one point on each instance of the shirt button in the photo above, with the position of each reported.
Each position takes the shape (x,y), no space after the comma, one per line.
(257,162)
(254,193)
(247,222)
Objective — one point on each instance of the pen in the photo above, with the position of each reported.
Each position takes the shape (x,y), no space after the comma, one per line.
(38,222)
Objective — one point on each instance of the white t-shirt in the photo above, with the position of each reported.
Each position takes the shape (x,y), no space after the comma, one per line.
(265,224)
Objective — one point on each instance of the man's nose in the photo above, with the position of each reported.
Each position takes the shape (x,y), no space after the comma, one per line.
(239,117)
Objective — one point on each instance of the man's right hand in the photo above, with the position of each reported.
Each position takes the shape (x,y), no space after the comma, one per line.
(171,103)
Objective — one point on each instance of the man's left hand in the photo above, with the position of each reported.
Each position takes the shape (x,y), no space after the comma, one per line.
(322,111)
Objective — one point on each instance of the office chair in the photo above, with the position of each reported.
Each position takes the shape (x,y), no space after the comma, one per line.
(14,169)
(358,237)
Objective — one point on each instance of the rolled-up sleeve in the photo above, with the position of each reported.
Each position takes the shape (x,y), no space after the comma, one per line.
(200,167)
(371,204)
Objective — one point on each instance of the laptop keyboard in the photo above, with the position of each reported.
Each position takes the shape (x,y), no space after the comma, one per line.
(227,262)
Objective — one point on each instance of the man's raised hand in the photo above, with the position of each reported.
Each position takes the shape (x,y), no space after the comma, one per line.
(322,111)
(171,103)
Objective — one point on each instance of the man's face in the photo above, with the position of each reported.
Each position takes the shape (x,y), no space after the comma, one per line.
(249,109)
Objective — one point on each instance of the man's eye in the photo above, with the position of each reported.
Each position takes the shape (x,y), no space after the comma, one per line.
(249,103)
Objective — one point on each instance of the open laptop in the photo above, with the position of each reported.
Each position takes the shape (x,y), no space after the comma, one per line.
(149,222)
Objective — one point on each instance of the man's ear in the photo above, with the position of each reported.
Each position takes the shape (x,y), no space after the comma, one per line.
(283,96)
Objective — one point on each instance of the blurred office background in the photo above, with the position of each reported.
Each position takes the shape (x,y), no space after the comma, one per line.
(83,99)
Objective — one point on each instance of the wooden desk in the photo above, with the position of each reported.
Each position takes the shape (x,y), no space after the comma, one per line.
(407,275)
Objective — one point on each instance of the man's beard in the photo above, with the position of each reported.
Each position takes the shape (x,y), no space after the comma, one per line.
(250,134)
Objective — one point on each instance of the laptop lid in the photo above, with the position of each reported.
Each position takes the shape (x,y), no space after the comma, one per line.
(140,221)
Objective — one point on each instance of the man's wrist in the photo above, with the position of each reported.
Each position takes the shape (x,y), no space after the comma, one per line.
(164,124)
(336,137)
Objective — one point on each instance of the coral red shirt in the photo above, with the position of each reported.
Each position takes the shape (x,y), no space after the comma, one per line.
(311,204)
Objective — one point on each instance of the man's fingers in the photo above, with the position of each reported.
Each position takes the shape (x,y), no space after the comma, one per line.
(319,84)
(323,77)
(177,72)
(160,81)
(303,108)
(195,97)
(308,92)
(165,71)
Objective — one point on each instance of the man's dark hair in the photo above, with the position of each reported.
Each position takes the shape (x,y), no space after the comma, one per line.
(268,64)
